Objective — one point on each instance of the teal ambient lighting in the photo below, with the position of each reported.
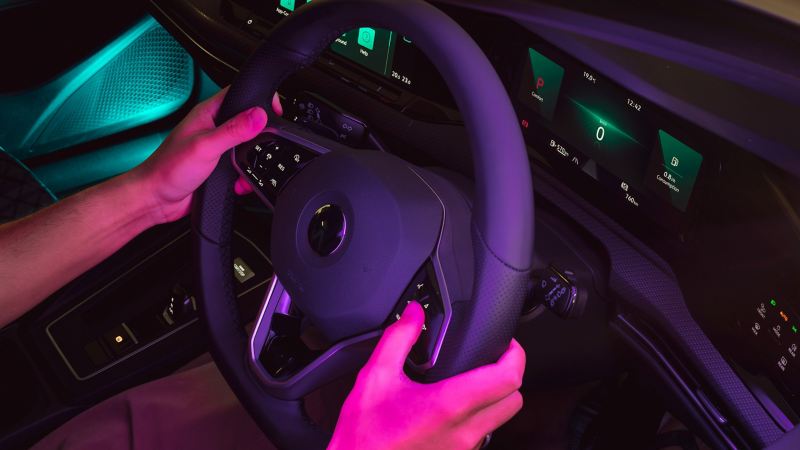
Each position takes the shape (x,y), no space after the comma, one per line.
(66,176)
(142,76)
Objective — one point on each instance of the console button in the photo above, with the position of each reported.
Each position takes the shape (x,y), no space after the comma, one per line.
(241,271)
(181,305)
(783,363)
(776,331)
(120,339)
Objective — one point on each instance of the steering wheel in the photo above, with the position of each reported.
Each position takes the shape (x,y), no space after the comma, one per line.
(357,234)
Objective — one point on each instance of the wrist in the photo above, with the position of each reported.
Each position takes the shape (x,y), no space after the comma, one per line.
(134,194)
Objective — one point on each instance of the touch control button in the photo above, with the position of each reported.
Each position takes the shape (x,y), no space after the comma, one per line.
(424,290)
(270,164)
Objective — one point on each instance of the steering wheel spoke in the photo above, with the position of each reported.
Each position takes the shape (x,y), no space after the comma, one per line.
(289,360)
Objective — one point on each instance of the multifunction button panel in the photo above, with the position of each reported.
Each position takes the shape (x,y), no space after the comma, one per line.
(270,161)
(424,289)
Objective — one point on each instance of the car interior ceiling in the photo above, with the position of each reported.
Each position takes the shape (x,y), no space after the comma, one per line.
(664,308)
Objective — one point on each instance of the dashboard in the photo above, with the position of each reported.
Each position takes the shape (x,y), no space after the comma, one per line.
(702,166)
(594,132)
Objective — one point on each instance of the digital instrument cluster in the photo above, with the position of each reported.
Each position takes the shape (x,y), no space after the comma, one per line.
(384,52)
(592,130)
(589,126)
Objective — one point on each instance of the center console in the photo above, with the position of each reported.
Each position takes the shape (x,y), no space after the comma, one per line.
(131,319)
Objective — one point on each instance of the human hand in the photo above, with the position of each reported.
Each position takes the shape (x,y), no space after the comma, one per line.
(388,410)
(189,154)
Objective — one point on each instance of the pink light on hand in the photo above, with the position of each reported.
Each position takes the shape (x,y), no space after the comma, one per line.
(388,410)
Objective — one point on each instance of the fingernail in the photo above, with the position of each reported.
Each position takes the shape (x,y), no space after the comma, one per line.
(253,116)
(411,306)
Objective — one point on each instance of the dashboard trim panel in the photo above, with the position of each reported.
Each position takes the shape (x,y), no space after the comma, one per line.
(642,279)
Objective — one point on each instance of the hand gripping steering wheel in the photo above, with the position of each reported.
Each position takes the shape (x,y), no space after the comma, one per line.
(356,234)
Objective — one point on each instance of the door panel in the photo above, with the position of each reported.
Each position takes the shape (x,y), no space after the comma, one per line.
(44,38)
(142,76)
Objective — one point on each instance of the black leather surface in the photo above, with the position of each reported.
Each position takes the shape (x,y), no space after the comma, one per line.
(481,328)
(20,192)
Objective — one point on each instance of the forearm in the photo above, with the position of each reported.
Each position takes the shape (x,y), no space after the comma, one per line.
(44,251)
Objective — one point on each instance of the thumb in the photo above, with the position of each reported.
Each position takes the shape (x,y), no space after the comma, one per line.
(241,128)
(397,340)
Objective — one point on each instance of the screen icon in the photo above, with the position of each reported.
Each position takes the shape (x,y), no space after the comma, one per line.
(673,170)
(543,84)
(373,48)
(287,4)
(366,37)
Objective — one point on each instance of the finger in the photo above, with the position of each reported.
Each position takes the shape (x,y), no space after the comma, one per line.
(201,117)
(397,340)
(207,110)
(492,417)
(210,107)
(276,105)
(241,128)
(242,187)
(485,385)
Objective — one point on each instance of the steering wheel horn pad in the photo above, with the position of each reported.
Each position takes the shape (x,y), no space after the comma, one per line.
(396,221)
